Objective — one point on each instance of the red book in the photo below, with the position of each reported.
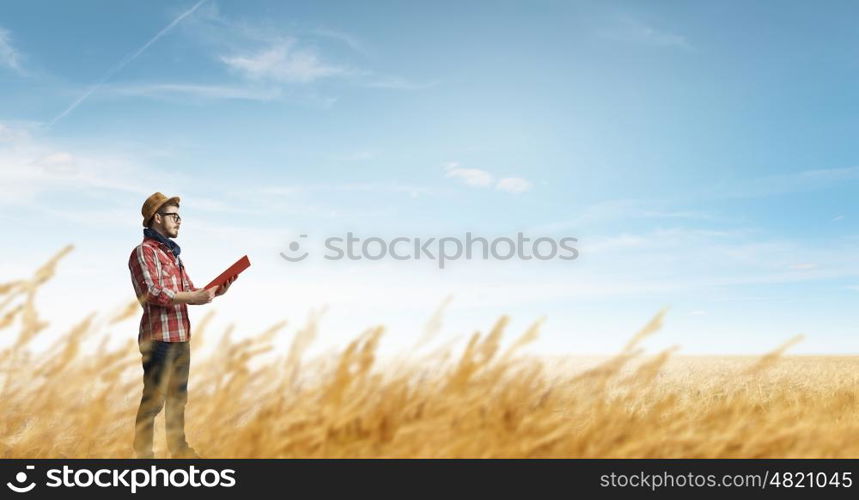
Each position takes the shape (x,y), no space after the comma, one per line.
(233,270)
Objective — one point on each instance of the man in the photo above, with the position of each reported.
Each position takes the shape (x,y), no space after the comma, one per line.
(164,290)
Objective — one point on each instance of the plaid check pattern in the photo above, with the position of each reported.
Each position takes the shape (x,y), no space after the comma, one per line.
(157,275)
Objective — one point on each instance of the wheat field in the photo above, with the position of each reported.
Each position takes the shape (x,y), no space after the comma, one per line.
(486,400)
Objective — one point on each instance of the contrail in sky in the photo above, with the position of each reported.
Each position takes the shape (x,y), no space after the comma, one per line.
(124,62)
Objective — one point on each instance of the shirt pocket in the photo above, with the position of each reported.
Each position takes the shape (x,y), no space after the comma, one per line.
(169,273)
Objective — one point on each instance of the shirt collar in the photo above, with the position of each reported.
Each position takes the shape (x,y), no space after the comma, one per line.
(167,242)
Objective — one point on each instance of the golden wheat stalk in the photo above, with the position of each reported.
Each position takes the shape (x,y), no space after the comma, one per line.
(476,403)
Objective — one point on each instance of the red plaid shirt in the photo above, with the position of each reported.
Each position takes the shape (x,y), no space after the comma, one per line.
(157,275)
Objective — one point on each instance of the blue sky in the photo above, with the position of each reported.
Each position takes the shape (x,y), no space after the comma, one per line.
(702,154)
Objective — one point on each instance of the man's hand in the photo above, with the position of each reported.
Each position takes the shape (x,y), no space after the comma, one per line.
(202,296)
(226,286)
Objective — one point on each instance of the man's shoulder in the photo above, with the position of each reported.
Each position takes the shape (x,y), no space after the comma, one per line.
(142,245)
(148,244)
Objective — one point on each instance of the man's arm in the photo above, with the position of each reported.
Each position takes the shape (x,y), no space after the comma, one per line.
(143,273)
(143,270)
(197,297)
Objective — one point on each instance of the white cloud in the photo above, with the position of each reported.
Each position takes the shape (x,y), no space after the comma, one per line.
(262,52)
(672,208)
(13,133)
(634,30)
(283,62)
(190,93)
(483,179)
(802,267)
(31,167)
(780,184)
(470,176)
(103,189)
(368,187)
(398,83)
(687,265)
(352,41)
(702,258)
(9,56)
(625,209)
(513,185)
(35,173)
(355,156)
(186,90)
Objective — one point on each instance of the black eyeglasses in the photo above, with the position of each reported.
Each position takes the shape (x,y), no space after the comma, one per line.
(175,215)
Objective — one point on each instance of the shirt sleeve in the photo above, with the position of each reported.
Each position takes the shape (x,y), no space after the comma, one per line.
(190,283)
(144,276)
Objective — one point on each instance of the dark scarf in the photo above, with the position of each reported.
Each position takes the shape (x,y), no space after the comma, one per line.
(155,235)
